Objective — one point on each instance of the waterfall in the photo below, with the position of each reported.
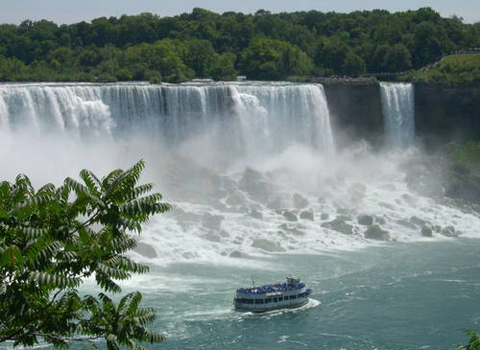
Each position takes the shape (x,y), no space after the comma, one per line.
(399,114)
(238,118)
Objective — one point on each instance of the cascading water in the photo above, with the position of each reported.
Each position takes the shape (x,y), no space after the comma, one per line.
(280,116)
(399,114)
(250,167)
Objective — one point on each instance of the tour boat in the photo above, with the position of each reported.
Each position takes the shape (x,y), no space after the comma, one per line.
(289,295)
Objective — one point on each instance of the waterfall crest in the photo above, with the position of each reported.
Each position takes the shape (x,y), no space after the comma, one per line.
(243,118)
(399,114)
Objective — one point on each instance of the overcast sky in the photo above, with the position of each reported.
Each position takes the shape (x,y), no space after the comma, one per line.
(71,11)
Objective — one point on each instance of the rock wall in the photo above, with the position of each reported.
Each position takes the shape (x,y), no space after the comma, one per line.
(442,114)
(356,113)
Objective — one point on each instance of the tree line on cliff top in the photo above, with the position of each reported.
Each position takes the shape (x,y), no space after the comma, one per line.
(205,44)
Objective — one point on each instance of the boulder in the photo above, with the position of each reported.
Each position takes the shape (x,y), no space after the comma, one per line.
(380,220)
(406,224)
(387,205)
(427,231)
(212,237)
(280,201)
(449,231)
(324,216)
(256,185)
(339,225)
(238,254)
(146,250)
(236,199)
(299,202)
(212,222)
(417,221)
(376,232)
(292,230)
(410,200)
(256,214)
(364,219)
(307,215)
(290,216)
(267,245)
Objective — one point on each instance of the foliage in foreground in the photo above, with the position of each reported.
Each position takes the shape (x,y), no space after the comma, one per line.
(473,342)
(54,238)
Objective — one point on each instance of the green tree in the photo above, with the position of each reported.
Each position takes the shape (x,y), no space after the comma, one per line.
(223,68)
(354,65)
(53,238)
(274,59)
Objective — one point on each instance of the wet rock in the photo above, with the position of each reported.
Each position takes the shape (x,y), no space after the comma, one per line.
(290,216)
(437,228)
(224,234)
(364,219)
(255,206)
(324,216)
(345,211)
(256,185)
(449,231)
(339,225)
(321,200)
(345,217)
(427,231)
(307,215)
(406,224)
(417,221)
(212,222)
(238,254)
(227,183)
(299,202)
(236,199)
(267,245)
(256,214)
(410,200)
(387,205)
(376,232)
(280,201)
(292,230)
(146,250)
(182,215)
(212,237)
(380,220)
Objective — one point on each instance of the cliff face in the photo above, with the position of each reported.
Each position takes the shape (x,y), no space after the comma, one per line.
(356,112)
(442,114)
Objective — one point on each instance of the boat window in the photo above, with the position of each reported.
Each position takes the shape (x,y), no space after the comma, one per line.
(249,301)
(293,297)
(274,300)
(258,301)
(280,298)
(268,300)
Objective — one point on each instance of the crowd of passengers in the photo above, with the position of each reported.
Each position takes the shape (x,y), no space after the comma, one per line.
(271,288)
(272,299)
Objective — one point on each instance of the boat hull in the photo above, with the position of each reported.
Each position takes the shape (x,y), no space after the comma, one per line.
(279,307)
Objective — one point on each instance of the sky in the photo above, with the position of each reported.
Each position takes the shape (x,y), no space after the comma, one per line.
(72,11)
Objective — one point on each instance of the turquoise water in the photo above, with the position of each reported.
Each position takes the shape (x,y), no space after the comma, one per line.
(397,296)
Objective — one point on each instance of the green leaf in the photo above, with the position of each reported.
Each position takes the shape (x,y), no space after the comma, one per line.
(11,257)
